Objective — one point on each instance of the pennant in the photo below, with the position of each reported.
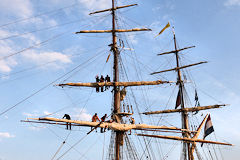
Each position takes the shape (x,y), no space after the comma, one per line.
(197,103)
(178,101)
(108,57)
(208,129)
(168,25)
(196,95)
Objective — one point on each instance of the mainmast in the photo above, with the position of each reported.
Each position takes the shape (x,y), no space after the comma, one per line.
(184,114)
(114,49)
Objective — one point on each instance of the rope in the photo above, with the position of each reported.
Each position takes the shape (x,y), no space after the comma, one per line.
(45,13)
(31,95)
(60,146)
(92,59)
(219,147)
(58,150)
(171,149)
(90,147)
(42,29)
(66,142)
(103,147)
(138,75)
(40,43)
(33,46)
(72,146)
(40,65)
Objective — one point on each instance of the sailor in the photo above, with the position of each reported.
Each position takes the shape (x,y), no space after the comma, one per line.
(102,80)
(68,118)
(132,121)
(97,80)
(95,119)
(107,79)
(103,120)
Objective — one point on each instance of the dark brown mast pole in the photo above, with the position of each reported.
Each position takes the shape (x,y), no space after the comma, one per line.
(184,113)
(116,79)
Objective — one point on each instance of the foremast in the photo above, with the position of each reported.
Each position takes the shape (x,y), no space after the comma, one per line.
(189,141)
(186,146)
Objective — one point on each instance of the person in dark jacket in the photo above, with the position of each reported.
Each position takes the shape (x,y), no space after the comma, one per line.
(107,79)
(103,120)
(97,80)
(102,80)
(68,124)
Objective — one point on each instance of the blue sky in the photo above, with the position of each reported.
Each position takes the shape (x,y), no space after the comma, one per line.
(212,26)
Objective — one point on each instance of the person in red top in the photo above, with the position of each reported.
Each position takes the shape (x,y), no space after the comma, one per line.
(95,119)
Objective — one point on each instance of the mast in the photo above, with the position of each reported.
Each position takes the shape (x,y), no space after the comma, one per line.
(186,146)
(116,115)
(116,79)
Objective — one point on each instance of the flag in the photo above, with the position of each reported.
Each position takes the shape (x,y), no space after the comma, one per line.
(168,25)
(208,129)
(178,101)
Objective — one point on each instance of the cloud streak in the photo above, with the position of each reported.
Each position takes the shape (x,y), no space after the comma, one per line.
(232,3)
(6,135)
(93,4)
(45,57)
(19,8)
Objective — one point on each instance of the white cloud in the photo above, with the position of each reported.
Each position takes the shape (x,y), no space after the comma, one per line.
(4,67)
(43,21)
(34,114)
(81,114)
(132,38)
(37,128)
(45,57)
(232,3)
(51,22)
(75,113)
(46,112)
(166,5)
(31,39)
(6,135)
(4,33)
(6,47)
(96,5)
(20,8)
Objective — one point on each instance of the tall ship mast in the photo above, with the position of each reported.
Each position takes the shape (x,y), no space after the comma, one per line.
(117,119)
